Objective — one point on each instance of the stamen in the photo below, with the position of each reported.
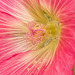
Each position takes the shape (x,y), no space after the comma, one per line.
(36,33)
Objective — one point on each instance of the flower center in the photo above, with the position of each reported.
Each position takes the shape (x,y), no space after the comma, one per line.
(38,33)
(53,29)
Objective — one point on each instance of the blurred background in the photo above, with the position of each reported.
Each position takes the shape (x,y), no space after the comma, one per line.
(74,70)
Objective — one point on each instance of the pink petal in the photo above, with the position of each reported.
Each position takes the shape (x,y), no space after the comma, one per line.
(16,9)
(63,62)
(17,58)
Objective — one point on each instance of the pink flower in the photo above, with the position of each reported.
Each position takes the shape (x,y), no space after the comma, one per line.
(37,37)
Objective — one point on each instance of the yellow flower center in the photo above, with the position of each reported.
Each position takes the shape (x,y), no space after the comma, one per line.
(53,29)
(43,34)
(47,28)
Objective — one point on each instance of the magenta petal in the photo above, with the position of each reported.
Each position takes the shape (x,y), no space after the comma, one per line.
(64,60)
(19,57)
(15,65)
(15,8)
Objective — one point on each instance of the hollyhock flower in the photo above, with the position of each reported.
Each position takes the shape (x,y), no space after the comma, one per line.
(37,37)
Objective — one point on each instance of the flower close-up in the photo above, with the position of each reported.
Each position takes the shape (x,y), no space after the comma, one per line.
(37,37)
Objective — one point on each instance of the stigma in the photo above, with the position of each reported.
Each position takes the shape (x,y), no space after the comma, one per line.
(36,32)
